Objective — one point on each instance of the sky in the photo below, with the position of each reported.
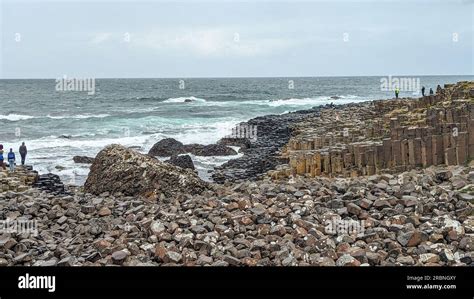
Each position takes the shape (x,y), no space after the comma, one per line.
(183,39)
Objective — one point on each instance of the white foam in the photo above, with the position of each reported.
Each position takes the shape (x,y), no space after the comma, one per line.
(16,117)
(79,116)
(183,99)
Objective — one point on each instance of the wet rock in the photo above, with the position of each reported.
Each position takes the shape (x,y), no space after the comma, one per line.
(83,159)
(166,147)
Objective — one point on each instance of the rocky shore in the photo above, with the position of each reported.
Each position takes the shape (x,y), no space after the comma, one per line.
(136,210)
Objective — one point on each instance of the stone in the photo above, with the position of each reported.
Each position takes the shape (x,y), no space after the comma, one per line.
(119,257)
(347,260)
(353,209)
(183,161)
(405,260)
(429,258)
(167,147)
(209,150)
(119,169)
(83,159)
(172,257)
(104,212)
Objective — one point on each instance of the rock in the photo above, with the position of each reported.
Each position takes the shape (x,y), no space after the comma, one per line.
(347,260)
(67,261)
(429,258)
(410,239)
(166,147)
(104,212)
(62,220)
(118,169)
(209,150)
(405,260)
(118,257)
(446,256)
(353,209)
(183,161)
(83,159)
(443,175)
(172,257)
(231,260)
(243,143)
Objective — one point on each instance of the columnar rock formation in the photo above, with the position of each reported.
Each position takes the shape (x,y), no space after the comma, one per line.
(19,180)
(385,135)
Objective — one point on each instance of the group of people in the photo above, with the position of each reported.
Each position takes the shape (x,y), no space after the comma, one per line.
(397,91)
(11,156)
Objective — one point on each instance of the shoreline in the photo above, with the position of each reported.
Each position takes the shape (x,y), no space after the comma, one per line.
(413,217)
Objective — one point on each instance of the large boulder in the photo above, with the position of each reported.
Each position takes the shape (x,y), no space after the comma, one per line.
(119,169)
(183,161)
(209,150)
(166,147)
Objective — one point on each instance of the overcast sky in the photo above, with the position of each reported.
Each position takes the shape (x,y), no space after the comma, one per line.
(49,39)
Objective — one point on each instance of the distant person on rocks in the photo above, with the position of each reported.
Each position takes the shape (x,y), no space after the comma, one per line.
(438,89)
(397,91)
(1,157)
(431,91)
(423,91)
(23,152)
(11,160)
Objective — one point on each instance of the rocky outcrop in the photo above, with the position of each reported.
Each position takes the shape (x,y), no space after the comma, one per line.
(243,143)
(166,147)
(119,169)
(273,132)
(209,150)
(171,147)
(183,161)
(83,159)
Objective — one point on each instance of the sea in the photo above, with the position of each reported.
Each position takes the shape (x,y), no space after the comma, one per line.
(59,124)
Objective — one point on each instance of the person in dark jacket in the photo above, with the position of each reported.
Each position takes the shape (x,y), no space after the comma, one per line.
(11,160)
(431,91)
(23,152)
(1,157)
(423,91)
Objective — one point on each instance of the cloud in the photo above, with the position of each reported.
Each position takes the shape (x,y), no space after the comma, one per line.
(101,37)
(210,42)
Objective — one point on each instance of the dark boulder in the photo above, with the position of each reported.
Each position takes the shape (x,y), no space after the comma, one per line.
(166,147)
(83,159)
(183,161)
(209,150)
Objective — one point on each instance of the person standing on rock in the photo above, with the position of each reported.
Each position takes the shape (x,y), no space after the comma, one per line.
(23,152)
(423,91)
(397,91)
(431,91)
(11,160)
(1,157)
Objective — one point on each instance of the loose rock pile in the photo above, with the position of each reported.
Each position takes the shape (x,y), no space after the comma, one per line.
(414,218)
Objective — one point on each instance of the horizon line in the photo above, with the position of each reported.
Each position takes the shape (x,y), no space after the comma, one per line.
(243,77)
